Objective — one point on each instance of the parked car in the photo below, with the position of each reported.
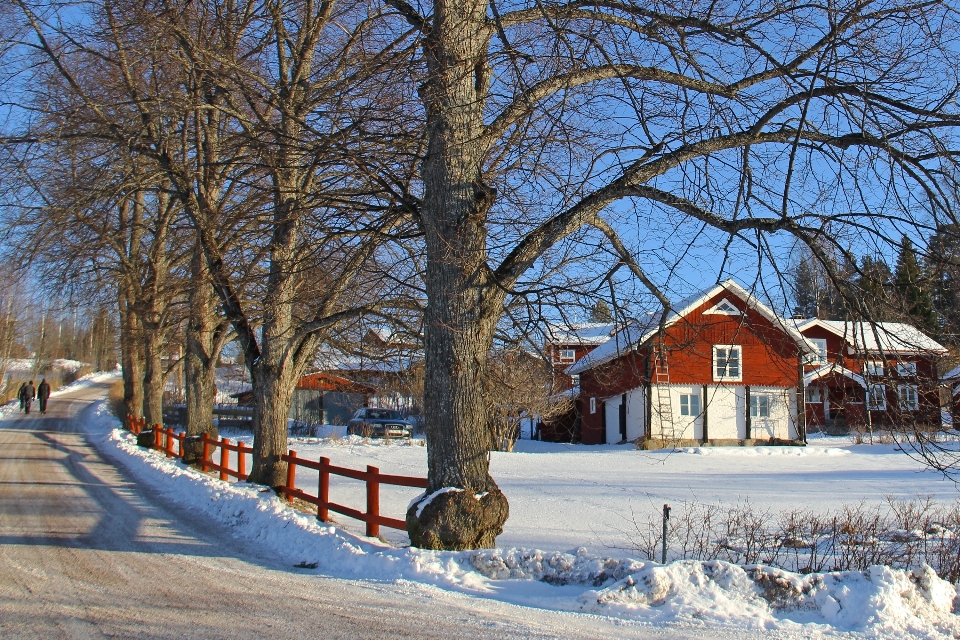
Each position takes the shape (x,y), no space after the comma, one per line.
(379,423)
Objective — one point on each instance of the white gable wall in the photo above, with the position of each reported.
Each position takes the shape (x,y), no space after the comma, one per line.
(682,427)
(782,422)
(726,412)
(636,413)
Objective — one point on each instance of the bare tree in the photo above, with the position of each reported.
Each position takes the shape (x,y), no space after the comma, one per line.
(520,388)
(718,121)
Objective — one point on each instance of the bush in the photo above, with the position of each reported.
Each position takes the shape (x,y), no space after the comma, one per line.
(903,534)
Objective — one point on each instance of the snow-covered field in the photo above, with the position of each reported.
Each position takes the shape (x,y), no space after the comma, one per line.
(574,503)
(571,496)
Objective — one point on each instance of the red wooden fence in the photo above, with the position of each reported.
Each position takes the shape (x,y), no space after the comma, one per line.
(171,444)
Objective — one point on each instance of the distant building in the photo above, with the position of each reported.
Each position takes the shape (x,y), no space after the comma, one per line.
(866,375)
(321,398)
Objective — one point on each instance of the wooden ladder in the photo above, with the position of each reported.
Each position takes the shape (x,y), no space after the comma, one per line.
(661,376)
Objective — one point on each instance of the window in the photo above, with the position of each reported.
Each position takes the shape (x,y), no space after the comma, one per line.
(726,362)
(821,356)
(907,368)
(873,369)
(908,397)
(814,395)
(593,405)
(724,307)
(575,380)
(877,397)
(760,405)
(690,404)
(567,355)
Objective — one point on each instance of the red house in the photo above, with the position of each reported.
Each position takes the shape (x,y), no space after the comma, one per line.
(563,345)
(724,369)
(867,375)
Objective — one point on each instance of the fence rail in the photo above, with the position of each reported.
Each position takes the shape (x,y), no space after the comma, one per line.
(171,444)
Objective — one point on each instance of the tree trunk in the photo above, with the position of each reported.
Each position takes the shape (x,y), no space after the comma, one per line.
(200,361)
(131,358)
(272,394)
(463,306)
(153,378)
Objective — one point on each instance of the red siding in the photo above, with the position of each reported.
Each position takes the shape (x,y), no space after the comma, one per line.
(769,358)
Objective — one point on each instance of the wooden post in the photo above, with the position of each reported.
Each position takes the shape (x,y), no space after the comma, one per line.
(373,501)
(291,475)
(168,449)
(205,459)
(158,437)
(241,460)
(324,490)
(180,437)
(224,458)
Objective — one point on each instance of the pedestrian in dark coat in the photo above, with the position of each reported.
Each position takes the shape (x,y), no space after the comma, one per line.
(22,394)
(29,393)
(43,393)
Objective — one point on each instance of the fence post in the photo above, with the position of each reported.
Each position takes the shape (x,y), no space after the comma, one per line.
(291,475)
(241,460)
(666,518)
(373,501)
(205,459)
(224,458)
(158,437)
(324,490)
(180,438)
(168,449)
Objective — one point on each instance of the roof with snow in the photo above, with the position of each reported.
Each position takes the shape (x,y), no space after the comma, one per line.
(877,337)
(643,329)
(831,369)
(953,374)
(584,333)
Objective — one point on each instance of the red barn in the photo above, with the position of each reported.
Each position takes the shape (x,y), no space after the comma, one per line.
(724,370)
(867,375)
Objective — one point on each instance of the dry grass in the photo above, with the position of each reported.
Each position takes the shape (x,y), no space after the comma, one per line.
(115,399)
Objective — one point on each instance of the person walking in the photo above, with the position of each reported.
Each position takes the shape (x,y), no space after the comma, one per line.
(29,393)
(43,394)
(22,394)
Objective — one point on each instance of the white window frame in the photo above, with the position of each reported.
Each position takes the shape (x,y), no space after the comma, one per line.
(907,369)
(873,368)
(820,357)
(877,392)
(593,405)
(575,380)
(760,405)
(690,404)
(726,376)
(813,398)
(567,355)
(907,402)
(723,308)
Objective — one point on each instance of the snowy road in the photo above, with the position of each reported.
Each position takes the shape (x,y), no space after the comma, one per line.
(87,553)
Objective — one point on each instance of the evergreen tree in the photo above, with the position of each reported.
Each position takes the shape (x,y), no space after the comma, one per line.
(943,271)
(806,291)
(601,312)
(873,286)
(912,288)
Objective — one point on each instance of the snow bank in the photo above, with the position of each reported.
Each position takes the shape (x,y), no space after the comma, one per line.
(880,602)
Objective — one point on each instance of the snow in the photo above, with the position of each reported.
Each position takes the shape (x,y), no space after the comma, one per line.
(879,337)
(544,482)
(583,333)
